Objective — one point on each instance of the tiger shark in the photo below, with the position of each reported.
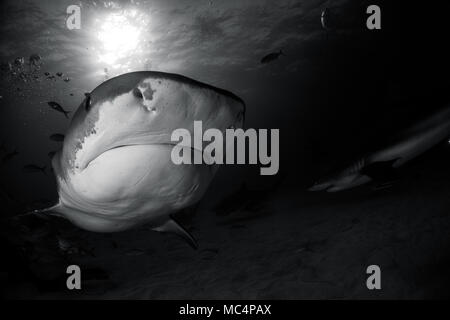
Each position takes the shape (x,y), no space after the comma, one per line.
(114,171)
(409,145)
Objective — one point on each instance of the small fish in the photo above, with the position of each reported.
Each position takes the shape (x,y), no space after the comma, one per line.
(59,74)
(66,79)
(58,137)
(7,157)
(51,154)
(32,168)
(56,106)
(69,248)
(47,74)
(271,57)
(324,16)
(71,94)
(64,245)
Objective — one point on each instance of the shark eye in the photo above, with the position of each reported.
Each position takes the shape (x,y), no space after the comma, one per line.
(137,93)
(87,104)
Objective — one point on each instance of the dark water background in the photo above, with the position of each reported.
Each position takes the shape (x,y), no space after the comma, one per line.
(332,97)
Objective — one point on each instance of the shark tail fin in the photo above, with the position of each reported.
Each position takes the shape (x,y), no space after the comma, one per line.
(172,226)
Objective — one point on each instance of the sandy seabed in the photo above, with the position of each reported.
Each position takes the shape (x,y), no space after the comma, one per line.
(289,245)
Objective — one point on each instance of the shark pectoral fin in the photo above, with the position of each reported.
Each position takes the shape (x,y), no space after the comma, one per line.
(50,211)
(173,226)
(43,213)
(380,170)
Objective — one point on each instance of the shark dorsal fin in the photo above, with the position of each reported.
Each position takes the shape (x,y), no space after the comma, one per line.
(173,226)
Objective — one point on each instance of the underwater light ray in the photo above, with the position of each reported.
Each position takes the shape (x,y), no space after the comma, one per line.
(119,39)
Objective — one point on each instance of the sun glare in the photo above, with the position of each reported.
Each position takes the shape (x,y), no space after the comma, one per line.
(118,38)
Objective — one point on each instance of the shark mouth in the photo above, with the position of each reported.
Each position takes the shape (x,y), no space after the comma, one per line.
(124,146)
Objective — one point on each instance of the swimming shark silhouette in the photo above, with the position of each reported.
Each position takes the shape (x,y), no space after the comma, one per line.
(115,172)
(412,143)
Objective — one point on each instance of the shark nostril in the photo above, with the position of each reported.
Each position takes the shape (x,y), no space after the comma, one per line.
(137,93)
